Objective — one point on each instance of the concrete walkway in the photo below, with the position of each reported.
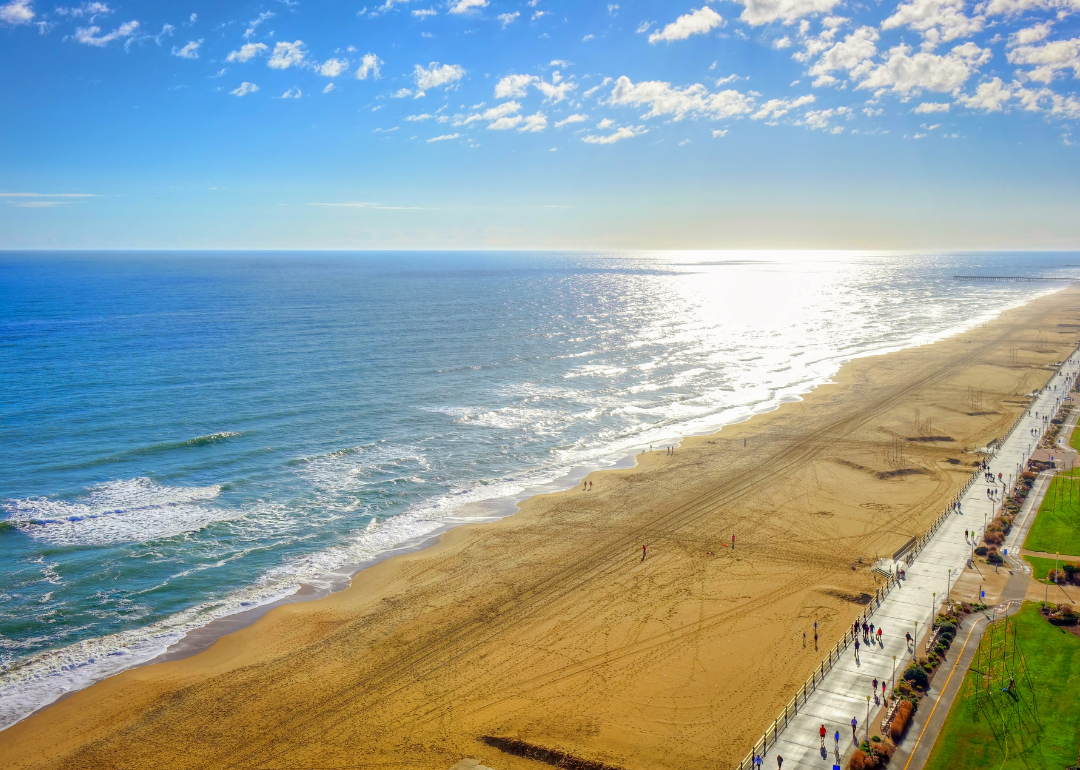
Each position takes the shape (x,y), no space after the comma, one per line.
(908,608)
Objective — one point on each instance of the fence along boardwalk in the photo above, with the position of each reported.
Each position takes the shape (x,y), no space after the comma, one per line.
(837,689)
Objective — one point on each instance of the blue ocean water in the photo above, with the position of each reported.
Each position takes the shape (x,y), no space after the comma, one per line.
(185,435)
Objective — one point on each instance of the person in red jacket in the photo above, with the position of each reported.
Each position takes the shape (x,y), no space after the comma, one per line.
(822,732)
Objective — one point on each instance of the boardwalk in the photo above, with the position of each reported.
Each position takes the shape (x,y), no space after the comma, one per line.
(842,693)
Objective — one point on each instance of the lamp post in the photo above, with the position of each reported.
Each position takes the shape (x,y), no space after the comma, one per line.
(933,608)
(915,641)
(868,719)
(948,590)
(894,672)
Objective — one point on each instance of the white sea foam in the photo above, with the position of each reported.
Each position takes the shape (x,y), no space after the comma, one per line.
(135,510)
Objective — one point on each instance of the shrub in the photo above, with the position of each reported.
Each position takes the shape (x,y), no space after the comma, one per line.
(917,676)
(994,558)
(900,720)
(1071,568)
(980,551)
(932,660)
(939,649)
(859,761)
(994,538)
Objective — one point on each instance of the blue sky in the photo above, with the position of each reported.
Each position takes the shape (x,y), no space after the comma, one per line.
(540,124)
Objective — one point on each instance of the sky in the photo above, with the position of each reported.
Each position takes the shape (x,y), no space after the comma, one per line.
(456,124)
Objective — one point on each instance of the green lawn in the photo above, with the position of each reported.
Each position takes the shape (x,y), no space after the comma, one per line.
(1040,566)
(1038,729)
(1056,528)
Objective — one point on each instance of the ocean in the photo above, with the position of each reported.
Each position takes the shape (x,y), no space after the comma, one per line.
(186,436)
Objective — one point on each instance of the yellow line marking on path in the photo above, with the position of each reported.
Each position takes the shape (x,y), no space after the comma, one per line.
(943,689)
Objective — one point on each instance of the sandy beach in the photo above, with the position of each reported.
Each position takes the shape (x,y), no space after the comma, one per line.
(548,627)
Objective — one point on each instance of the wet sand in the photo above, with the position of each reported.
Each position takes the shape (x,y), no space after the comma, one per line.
(547,627)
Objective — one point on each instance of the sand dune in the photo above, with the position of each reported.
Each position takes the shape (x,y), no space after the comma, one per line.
(547,626)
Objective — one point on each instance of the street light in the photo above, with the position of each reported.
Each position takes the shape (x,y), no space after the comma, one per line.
(894,672)
(933,607)
(868,719)
(915,641)
(948,591)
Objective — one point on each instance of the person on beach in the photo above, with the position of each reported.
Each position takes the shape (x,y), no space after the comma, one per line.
(584,486)
(590,486)
(822,732)
(733,541)
(644,551)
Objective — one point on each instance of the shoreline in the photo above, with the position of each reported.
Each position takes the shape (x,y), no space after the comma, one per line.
(201,638)
(559,563)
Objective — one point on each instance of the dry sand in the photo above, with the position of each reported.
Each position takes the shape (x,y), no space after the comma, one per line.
(546,626)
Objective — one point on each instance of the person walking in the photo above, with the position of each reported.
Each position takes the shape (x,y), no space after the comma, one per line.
(822,732)
(856,649)
(779,762)
(644,551)
(837,739)
(879,637)
(733,541)
(854,726)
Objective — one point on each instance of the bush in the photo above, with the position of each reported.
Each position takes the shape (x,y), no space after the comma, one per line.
(980,551)
(1071,568)
(939,649)
(994,558)
(1057,576)
(901,720)
(860,761)
(994,538)
(917,676)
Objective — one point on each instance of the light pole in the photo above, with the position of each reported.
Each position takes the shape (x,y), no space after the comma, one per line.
(868,719)
(933,608)
(894,672)
(915,641)
(948,590)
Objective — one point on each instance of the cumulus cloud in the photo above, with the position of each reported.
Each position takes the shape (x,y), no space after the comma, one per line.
(906,73)
(369,67)
(758,12)
(287,55)
(443,138)
(664,99)
(517,85)
(694,23)
(508,18)
(513,85)
(718,133)
(928,108)
(988,97)
(626,132)
(332,68)
(851,54)
(423,13)
(91,10)
(92,35)
(254,23)
(571,119)
(247,52)
(505,123)
(244,89)
(784,42)
(189,51)
(435,75)
(1048,59)
(329,87)
(1030,34)
(777,108)
(17,12)
(939,21)
(292,93)
(1017,7)
(534,123)
(822,119)
(464,6)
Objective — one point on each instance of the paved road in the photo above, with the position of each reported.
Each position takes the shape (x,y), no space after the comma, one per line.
(843,692)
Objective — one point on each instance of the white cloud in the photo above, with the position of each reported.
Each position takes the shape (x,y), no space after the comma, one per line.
(988,97)
(287,55)
(626,132)
(821,119)
(464,6)
(189,51)
(694,23)
(244,89)
(417,118)
(247,52)
(508,18)
(332,68)
(605,123)
(17,12)
(90,36)
(401,93)
(423,13)
(254,23)
(852,54)
(437,75)
(534,123)
(905,73)
(571,119)
(513,85)
(91,10)
(329,87)
(758,12)
(1030,35)
(369,67)
(777,108)
(1017,7)
(1048,59)
(506,123)
(939,21)
(587,38)
(717,134)
(928,108)
(643,27)
(539,15)
(292,93)
(784,42)
(193,17)
(663,99)
(613,9)
(443,138)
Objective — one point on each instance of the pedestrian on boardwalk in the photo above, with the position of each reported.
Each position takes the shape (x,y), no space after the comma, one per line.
(875,686)
(908,638)
(883,690)
(871,630)
(779,762)
(879,637)
(822,732)
(837,739)
(856,649)
(854,725)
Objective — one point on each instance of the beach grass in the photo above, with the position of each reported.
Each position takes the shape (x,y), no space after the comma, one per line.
(1056,528)
(1007,733)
